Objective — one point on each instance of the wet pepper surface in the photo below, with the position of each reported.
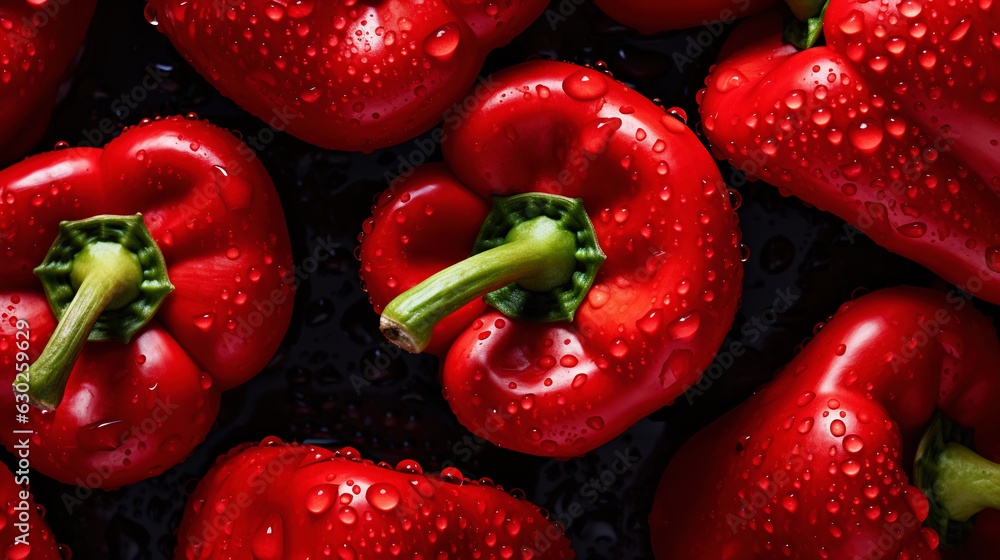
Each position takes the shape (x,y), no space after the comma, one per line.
(336,382)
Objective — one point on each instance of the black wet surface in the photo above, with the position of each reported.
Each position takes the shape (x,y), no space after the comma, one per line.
(307,392)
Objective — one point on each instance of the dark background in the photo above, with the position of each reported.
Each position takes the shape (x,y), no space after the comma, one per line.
(306,393)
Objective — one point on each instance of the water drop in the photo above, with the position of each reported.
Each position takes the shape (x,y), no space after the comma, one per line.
(650,323)
(927,59)
(383,496)
(794,99)
(729,80)
(960,30)
(268,541)
(865,136)
(102,436)
(594,136)
(837,428)
(821,117)
(914,229)
(205,322)
(895,125)
(171,444)
(850,467)
(684,327)
(911,8)
(347,515)
(806,425)
(150,13)
(310,95)
(853,23)
(896,45)
(619,347)
(443,41)
(676,366)
(790,503)
(585,85)
(319,498)
(274,11)
(299,8)
(993,258)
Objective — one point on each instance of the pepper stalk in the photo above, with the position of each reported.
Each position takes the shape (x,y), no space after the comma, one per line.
(535,259)
(958,482)
(105,278)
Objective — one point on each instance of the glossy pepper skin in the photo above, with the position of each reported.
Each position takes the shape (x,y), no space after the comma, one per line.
(667,15)
(661,302)
(338,74)
(38,42)
(817,464)
(133,409)
(276,500)
(23,522)
(892,125)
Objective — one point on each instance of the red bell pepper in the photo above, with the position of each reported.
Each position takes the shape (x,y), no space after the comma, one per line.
(892,125)
(653,17)
(211,246)
(276,500)
(816,464)
(343,75)
(39,39)
(574,350)
(24,532)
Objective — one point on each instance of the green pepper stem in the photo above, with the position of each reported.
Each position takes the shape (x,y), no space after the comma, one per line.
(966,483)
(107,276)
(538,254)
